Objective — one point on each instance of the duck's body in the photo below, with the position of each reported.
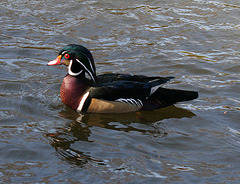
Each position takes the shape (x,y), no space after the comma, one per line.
(111,93)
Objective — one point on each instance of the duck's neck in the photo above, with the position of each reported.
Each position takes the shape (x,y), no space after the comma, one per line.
(72,90)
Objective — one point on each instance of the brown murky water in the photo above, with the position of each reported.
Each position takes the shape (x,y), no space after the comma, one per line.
(197,41)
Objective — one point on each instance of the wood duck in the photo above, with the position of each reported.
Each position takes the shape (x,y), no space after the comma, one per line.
(113,92)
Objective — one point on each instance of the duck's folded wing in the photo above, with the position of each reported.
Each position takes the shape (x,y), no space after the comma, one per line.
(116,96)
(110,77)
(121,89)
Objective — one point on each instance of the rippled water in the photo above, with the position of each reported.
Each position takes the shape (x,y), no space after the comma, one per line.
(197,41)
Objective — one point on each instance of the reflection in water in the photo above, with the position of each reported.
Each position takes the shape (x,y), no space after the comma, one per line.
(79,129)
(64,138)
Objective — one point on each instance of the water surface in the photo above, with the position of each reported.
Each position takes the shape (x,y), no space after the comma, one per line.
(43,141)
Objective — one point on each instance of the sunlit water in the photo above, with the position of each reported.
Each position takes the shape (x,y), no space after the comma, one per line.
(197,41)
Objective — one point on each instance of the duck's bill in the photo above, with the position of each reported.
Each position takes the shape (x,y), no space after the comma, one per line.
(56,61)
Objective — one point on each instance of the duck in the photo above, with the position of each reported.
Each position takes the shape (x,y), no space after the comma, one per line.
(86,92)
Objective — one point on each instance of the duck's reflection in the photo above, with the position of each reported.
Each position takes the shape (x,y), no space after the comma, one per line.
(79,129)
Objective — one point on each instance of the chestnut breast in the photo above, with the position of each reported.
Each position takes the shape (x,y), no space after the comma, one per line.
(72,90)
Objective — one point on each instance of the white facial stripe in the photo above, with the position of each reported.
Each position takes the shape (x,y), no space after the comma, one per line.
(89,63)
(63,52)
(90,73)
(70,72)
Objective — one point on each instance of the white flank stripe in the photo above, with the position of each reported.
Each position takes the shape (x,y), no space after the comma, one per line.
(80,106)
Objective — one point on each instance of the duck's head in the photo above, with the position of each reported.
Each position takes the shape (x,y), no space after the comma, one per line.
(78,59)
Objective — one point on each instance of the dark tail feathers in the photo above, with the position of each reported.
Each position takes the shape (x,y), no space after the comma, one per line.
(166,97)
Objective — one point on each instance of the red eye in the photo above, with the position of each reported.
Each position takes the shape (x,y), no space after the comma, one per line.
(67,56)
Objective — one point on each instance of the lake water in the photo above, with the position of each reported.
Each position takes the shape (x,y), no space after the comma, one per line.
(197,41)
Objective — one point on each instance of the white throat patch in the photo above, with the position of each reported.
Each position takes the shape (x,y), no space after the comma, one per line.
(70,71)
